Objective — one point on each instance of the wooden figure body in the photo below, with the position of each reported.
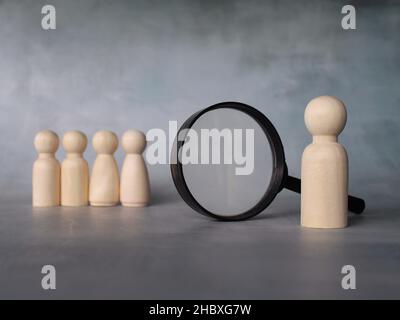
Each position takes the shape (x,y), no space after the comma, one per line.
(46,171)
(135,186)
(324,167)
(74,171)
(104,180)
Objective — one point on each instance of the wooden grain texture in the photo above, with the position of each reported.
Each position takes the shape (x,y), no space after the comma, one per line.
(324,167)
(74,171)
(46,171)
(104,180)
(135,186)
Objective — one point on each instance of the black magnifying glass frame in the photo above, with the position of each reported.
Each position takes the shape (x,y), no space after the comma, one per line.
(279,178)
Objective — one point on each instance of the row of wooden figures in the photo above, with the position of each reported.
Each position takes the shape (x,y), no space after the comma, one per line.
(69,184)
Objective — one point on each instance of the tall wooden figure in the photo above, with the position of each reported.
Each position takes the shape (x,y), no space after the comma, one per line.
(46,171)
(324,167)
(74,171)
(104,181)
(135,186)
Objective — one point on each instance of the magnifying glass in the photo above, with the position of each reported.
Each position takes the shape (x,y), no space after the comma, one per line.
(228,163)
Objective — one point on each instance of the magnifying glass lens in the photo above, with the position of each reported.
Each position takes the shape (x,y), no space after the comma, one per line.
(227,161)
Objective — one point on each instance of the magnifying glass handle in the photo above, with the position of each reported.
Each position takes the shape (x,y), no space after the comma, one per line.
(356,205)
(293,184)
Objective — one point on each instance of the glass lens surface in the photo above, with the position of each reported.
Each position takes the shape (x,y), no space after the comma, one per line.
(227,161)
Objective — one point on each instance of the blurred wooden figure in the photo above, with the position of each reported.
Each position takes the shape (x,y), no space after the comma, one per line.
(46,171)
(74,171)
(324,167)
(104,180)
(135,186)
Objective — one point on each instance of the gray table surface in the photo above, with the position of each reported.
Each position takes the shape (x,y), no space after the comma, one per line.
(167,251)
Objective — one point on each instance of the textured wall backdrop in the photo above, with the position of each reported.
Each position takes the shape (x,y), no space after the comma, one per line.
(137,64)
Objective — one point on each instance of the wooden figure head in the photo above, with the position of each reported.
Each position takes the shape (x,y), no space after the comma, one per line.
(105,142)
(134,141)
(46,141)
(325,116)
(74,142)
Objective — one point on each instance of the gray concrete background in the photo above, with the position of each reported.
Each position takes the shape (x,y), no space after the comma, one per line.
(137,64)
(167,251)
